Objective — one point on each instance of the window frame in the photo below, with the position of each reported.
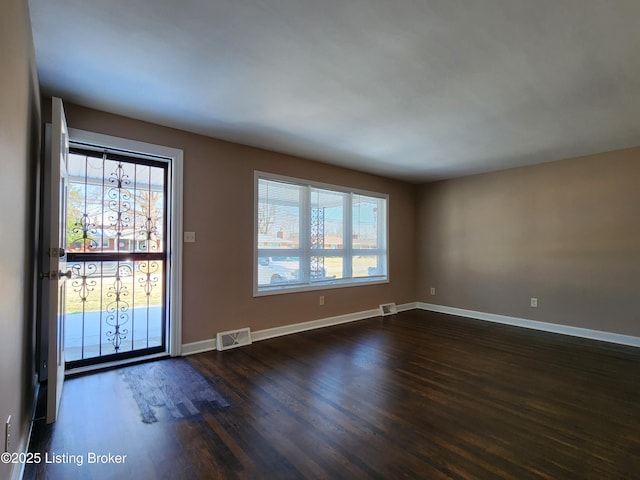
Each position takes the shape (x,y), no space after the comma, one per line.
(304,251)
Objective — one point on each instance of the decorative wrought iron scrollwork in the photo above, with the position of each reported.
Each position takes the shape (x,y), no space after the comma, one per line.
(81,282)
(148,232)
(119,200)
(317,241)
(148,211)
(83,232)
(150,279)
(117,311)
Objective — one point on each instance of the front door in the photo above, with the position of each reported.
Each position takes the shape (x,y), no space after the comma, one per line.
(56,276)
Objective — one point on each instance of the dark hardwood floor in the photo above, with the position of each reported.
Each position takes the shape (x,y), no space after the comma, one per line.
(415,395)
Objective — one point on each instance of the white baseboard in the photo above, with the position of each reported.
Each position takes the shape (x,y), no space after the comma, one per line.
(535,325)
(208,345)
(407,306)
(18,468)
(313,324)
(198,347)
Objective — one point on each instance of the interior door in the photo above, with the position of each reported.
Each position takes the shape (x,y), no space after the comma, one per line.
(57,257)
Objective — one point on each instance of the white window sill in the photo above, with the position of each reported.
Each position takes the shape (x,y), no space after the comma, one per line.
(310,287)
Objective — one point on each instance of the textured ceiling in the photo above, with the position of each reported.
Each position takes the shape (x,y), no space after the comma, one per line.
(411,89)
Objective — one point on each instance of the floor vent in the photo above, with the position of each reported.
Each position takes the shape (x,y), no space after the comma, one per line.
(233,339)
(388,309)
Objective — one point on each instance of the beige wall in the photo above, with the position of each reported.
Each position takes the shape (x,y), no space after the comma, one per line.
(566,232)
(19,148)
(218,206)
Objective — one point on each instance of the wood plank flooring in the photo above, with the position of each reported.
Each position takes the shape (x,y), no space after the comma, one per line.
(415,395)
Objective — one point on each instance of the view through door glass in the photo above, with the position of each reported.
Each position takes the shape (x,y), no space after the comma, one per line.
(116,250)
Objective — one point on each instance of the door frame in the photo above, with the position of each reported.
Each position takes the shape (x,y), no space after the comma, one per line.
(174,256)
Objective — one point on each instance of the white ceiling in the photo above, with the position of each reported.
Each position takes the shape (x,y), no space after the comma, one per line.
(411,89)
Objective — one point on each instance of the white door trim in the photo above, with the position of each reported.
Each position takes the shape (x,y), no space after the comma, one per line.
(175,155)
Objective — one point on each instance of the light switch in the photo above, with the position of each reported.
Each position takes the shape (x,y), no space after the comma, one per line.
(189,237)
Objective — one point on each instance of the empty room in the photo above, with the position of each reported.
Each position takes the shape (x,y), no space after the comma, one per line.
(320,240)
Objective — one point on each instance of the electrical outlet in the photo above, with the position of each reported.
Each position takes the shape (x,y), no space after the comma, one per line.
(189,237)
(321,299)
(433,291)
(534,302)
(7,434)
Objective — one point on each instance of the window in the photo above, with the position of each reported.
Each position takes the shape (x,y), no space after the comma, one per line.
(313,236)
